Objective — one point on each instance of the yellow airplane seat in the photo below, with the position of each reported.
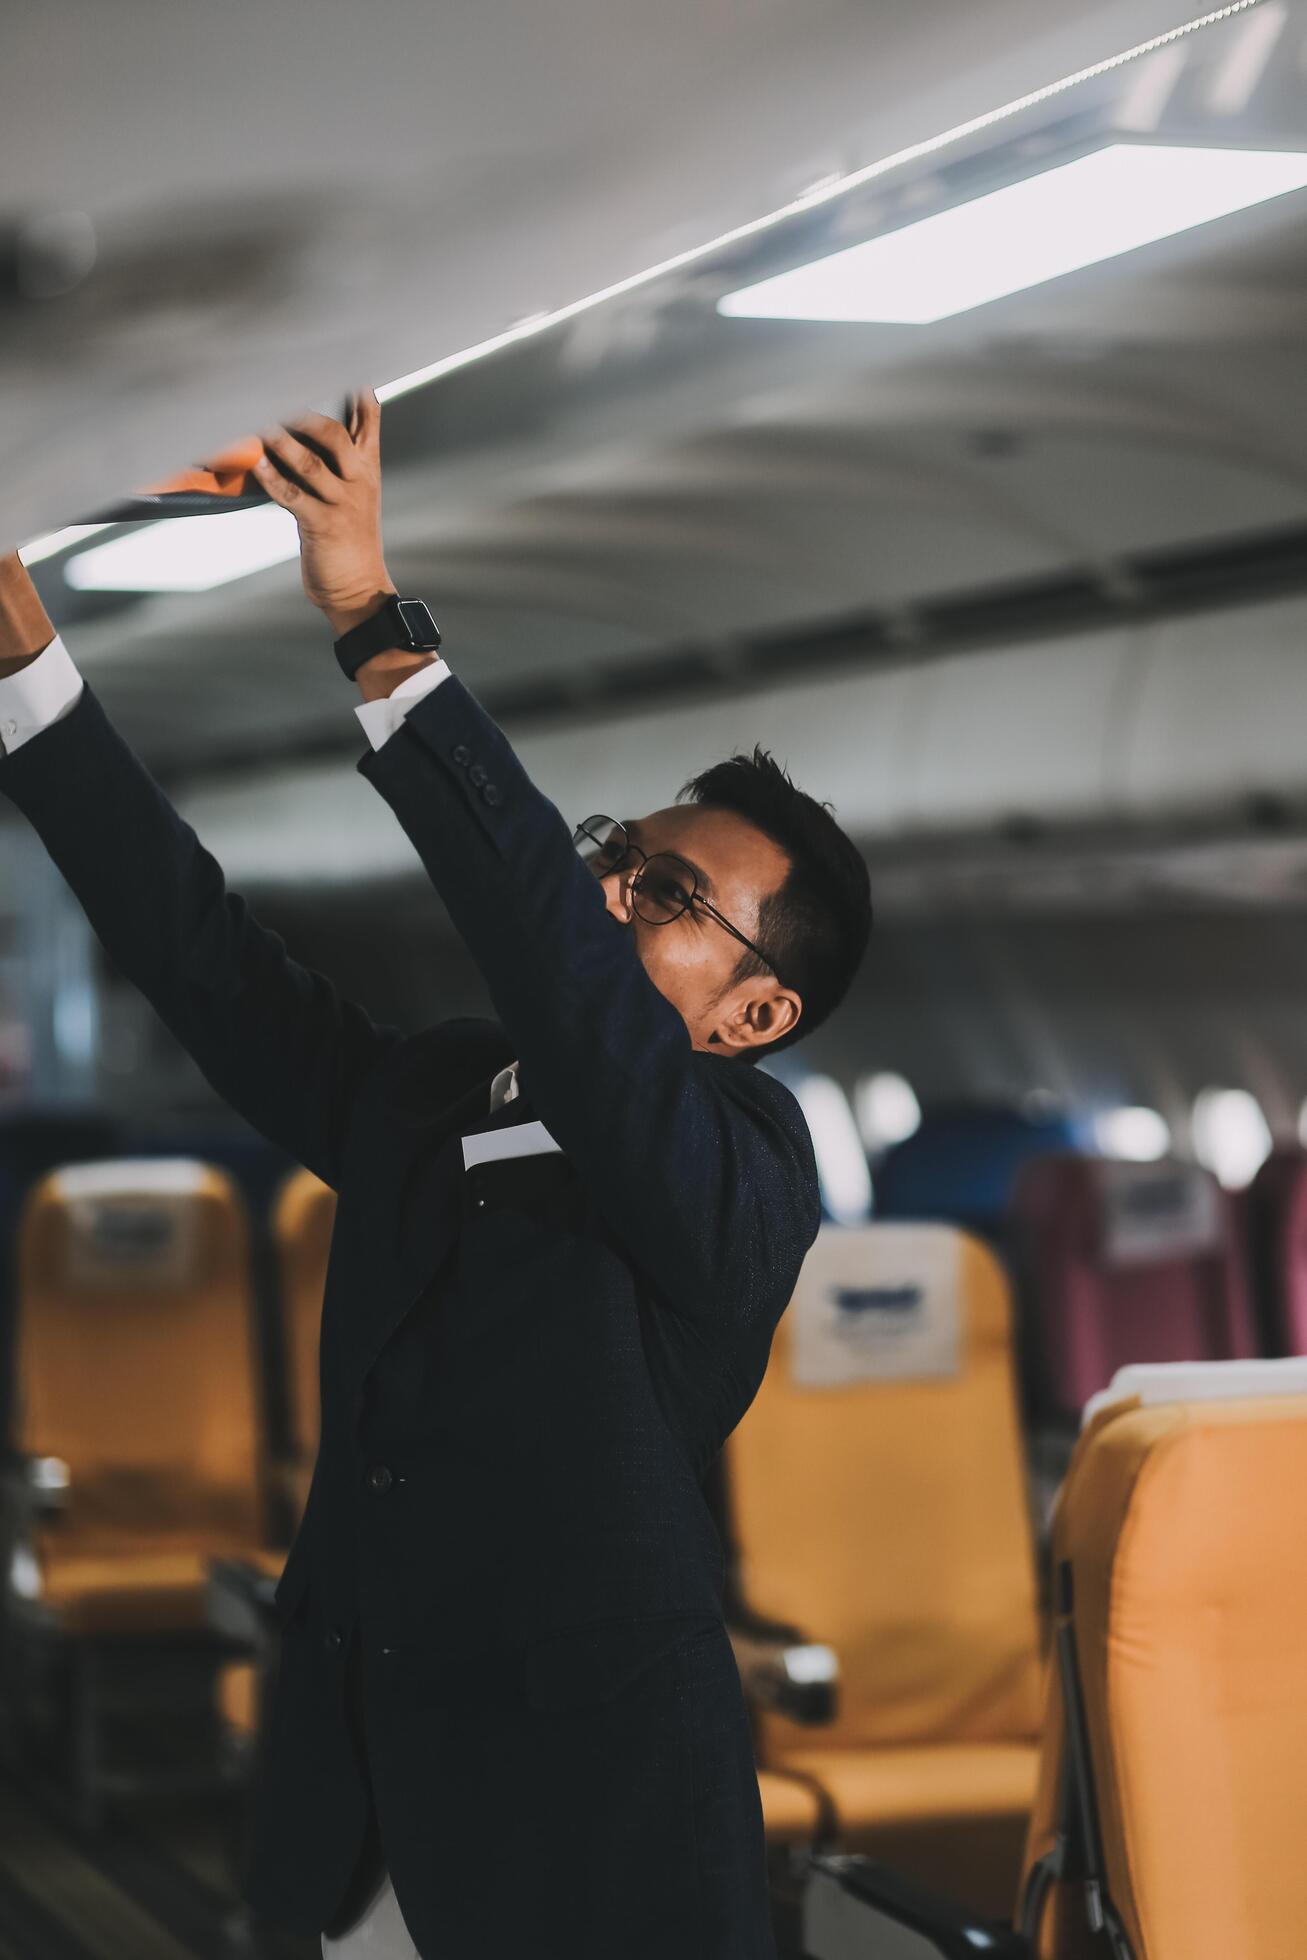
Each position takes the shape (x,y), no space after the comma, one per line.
(1173,1771)
(876,1499)
(302,1219)
(137,1454)
(1174,1777)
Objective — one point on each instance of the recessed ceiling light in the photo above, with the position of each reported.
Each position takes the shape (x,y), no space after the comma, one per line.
(188,554)
(1077,214)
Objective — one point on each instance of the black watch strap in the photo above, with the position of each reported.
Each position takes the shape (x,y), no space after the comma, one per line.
(405,623)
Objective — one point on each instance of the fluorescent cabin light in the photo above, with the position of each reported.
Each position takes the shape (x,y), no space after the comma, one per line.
(1077,214)
(53,541)
(1133,1132)
(188,554)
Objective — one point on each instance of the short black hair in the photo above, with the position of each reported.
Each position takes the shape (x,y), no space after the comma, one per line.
(816,925)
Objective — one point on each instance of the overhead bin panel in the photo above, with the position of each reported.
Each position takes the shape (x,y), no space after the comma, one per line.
(1025,732)
(1220,712)
(1146,725)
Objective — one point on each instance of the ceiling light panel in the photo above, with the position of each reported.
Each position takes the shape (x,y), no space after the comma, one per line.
(1097,207)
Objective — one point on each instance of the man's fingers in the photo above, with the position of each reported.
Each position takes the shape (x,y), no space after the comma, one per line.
(328,435)
(300,464)
(280,488)
(369,410)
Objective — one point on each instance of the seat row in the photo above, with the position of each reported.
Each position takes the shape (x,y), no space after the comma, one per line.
(883,1571)
(875,1499)
(883,1591)
(1114,1262)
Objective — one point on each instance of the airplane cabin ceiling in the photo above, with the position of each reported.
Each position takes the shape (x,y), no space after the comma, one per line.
(286,197)
(613,509)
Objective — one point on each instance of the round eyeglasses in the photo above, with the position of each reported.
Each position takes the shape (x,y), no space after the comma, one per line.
(663,887)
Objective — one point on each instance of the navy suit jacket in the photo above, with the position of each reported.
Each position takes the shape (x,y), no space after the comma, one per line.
(526,1368)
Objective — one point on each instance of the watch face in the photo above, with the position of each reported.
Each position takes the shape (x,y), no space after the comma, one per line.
(423,632)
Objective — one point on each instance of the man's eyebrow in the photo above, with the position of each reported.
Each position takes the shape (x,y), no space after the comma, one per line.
(705,883)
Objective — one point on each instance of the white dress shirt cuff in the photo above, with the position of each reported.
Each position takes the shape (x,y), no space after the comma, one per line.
(382,717)
(43,691)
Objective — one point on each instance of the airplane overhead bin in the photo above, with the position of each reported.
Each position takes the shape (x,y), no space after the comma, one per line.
(1184,717)
(1179,720)
(1156,722)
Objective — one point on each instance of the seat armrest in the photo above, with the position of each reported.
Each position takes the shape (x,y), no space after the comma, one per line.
(853,1909)
(780,1669)
(35,1489)
(239,1601)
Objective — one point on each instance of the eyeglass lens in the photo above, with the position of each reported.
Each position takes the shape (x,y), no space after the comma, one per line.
(661,888)
(601,844)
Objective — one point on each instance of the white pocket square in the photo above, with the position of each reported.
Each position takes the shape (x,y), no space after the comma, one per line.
(492,1146)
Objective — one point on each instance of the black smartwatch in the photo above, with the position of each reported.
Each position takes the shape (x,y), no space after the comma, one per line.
(404,623)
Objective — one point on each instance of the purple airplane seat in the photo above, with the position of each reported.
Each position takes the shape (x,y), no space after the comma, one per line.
(1123,1262)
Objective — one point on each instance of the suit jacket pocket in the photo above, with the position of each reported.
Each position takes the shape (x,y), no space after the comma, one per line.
(545,1188)
(588,1665)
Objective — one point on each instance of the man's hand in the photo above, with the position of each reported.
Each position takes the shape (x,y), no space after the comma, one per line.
(336,504)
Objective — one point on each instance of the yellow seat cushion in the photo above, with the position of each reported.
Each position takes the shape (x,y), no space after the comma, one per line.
(124,1587)
(953,1816)
(959,1780)
(141,1592)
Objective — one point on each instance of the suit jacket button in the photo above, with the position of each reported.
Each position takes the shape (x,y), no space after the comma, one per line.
(333,1640)
(490,794)
(379,1478)
(476,774)
(461,754)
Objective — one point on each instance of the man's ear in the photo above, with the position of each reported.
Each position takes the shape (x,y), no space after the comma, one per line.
(758,1020)
(781,1010)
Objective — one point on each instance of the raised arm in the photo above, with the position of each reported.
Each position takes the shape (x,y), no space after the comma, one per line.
(703,1167)
(275,1039)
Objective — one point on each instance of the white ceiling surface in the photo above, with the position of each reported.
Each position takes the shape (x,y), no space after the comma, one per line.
(291,197)
(652,477)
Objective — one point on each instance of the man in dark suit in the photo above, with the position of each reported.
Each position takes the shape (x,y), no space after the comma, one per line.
(508,1724)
